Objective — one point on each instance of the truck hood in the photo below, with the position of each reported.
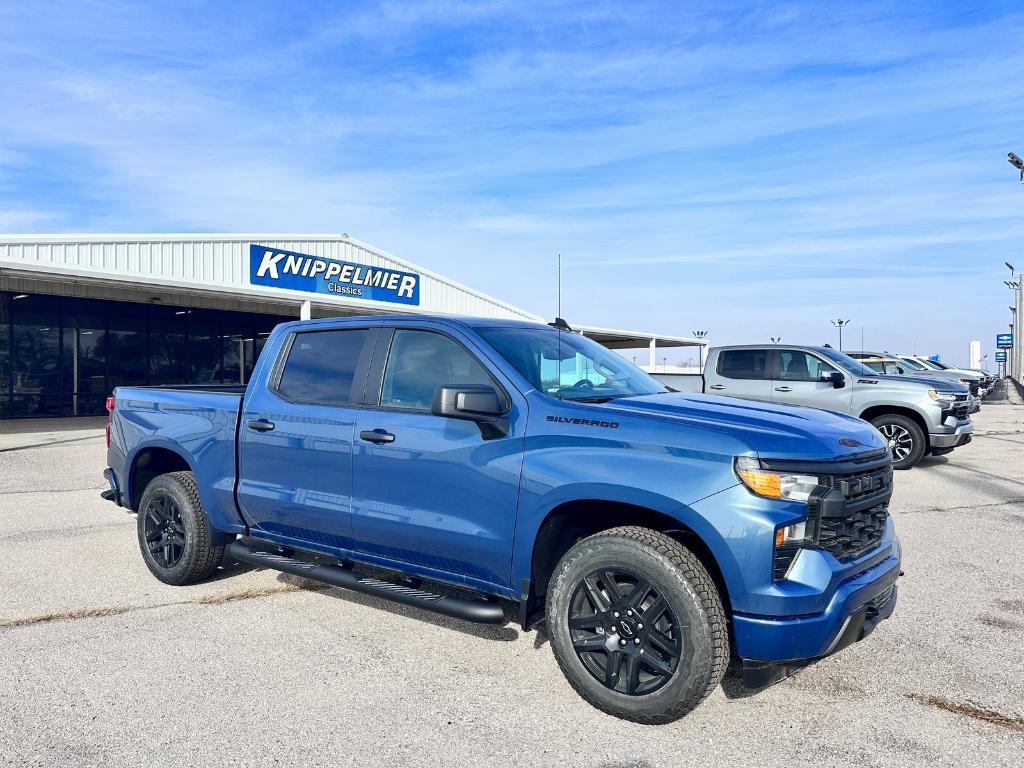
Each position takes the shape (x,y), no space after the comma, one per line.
(933,382)
(773,430)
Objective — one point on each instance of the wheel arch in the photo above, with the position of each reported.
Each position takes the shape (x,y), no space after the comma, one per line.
(875,411)
(571,521)
(149,463)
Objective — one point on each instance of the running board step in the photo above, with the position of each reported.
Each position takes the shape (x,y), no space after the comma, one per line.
(479,611)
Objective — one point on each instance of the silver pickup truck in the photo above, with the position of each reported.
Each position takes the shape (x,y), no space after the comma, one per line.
(916,415)
(883,362)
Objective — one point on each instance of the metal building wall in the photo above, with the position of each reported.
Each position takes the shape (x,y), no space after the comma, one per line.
(219,264)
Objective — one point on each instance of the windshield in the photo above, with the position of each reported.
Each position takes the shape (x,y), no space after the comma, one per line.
(855,367)
(569,366)
(911,363)
(932,365)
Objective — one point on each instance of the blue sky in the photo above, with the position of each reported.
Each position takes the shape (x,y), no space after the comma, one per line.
(755,170)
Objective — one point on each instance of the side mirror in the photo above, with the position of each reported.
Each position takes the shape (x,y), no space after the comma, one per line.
(837,379)
(469,402)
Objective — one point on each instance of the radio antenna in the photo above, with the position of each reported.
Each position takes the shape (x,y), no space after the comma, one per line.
(558,322)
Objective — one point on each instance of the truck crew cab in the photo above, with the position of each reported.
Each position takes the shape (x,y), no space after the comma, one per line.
(917,416)
(656,533)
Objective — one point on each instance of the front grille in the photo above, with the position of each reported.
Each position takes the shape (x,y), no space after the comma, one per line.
(851,536)
(861,529)
(858,485)
(846,528)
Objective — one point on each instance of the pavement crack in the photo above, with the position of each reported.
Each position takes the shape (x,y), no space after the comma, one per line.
(967,709)
(57,490)
(245,593)
(77,613)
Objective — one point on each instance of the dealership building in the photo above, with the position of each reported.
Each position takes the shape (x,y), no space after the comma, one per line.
(82,314)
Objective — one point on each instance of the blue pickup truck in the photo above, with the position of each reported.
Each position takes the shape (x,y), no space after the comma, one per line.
(465,464)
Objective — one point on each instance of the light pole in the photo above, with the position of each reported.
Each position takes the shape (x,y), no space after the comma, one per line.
(840,324)
(699,335)
(1011,364)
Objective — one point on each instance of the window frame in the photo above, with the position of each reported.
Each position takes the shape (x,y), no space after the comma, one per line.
(379,365)
(359,374)
(769,364)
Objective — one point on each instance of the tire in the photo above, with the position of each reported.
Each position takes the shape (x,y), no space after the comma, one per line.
(585,640)
(906,439)
(174,532)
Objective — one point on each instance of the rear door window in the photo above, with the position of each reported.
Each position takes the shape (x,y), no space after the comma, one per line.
(743,363)
(325,367)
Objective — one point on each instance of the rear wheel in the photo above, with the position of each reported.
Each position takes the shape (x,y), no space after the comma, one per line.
(906,439)
(637,625)
(174,533)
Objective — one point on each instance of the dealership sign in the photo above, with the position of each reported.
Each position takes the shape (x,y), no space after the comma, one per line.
(1004,340)
(315,274)
(1000,357)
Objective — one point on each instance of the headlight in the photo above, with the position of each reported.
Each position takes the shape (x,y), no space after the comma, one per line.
(943,398)
(966,382)
(772,484)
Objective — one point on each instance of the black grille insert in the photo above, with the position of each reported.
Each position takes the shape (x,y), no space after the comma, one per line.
(858,485)
(851,536)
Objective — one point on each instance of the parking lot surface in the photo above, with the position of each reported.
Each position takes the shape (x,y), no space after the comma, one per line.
(101,664)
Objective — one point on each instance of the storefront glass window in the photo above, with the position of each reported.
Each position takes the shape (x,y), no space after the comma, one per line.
(168,345)
(34,356)
(204,348)
(63,356)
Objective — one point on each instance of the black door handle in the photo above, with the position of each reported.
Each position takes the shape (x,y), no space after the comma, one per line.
(377,436)
(260,425)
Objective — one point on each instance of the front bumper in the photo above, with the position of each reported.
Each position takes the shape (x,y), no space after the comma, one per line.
(855,608)
(858,625)
(960,435)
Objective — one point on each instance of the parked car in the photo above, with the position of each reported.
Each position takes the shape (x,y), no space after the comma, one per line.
(653,531)
(973,381)
(883,362)
(917,416)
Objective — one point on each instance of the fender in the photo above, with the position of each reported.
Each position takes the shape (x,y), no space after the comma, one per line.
(204,438)
(531,521)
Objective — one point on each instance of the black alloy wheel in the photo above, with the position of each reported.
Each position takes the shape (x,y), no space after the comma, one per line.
(624,632)
(165,531)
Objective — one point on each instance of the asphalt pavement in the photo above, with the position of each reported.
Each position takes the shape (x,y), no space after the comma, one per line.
(102,665)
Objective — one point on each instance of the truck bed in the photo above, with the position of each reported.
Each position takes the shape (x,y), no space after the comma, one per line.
(682,382)
(199,421)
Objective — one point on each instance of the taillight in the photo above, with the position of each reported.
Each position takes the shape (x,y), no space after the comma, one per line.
(111,402)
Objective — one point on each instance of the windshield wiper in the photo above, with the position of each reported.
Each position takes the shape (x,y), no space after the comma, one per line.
(591,399)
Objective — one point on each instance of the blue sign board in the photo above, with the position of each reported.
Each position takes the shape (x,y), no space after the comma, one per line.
(1004,340)
(1000,357)
(316,274)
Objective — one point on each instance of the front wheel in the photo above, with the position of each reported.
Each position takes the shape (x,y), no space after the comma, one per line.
(174,533)
(906,439)
(637,625)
